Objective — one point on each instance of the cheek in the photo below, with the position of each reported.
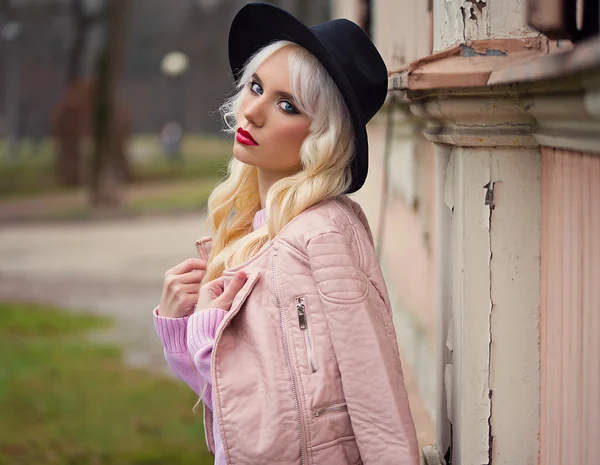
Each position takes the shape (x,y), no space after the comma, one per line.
(286,142)
(241,109)
(293,134)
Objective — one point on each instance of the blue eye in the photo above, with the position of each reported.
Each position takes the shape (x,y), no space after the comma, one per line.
(288,107)
(254,86)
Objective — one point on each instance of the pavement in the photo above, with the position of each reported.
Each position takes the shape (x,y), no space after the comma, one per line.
(111,267)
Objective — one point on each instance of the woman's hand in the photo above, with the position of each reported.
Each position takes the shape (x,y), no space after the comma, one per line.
(180,288)
(212,294)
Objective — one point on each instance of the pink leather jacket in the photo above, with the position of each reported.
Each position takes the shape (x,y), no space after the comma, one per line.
(305,364)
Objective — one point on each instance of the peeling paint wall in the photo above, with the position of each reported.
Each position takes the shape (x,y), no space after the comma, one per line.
(467,172)
(515,284)
(462,20)
(444,211)
(490,303)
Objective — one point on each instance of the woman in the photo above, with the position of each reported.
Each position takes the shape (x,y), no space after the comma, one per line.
(289,340)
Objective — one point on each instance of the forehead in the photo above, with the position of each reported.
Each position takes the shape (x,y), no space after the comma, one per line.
(274,71)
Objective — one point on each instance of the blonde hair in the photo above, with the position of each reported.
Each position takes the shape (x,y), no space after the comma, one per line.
(325,156)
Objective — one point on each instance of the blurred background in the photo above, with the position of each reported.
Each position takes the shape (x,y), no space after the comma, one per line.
(96,94)
(482,196)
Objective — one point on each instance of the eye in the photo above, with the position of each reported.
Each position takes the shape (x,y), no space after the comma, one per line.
(255,87)
(288,107)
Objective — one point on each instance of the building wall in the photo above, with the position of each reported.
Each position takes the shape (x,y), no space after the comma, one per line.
(349,9)
(516,340)
(488,302)
(402,31)
(398,234)
(570,308)
(461,20)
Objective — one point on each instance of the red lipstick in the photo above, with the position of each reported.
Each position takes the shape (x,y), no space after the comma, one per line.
(244,137)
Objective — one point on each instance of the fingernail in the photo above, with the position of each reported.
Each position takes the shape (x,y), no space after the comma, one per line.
(240,276)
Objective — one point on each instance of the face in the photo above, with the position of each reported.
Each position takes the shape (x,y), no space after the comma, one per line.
(271,117)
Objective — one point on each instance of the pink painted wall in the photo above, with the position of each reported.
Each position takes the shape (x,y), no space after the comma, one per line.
(570,308)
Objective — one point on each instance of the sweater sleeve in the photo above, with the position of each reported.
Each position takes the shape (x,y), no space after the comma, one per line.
(172,333)
(201,332)
(188,343)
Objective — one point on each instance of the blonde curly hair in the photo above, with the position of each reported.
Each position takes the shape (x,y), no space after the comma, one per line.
(325,155)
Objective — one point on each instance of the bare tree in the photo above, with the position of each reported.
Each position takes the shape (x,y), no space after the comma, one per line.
(106,179)
(70,122)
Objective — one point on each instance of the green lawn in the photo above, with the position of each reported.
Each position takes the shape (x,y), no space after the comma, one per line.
(177,197)
(67,401)
(202,157)
(182,197)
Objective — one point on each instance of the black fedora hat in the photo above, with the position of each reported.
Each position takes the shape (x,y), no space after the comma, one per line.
(344,49)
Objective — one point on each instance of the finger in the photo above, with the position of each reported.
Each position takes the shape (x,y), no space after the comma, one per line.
(188,265)
(174,282)
(191,277)
(235,285)
(217,291)
(217,283)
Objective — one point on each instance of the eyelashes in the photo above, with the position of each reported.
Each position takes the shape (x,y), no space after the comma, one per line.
(291,110)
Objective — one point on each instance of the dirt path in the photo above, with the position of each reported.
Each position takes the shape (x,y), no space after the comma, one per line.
(110,268)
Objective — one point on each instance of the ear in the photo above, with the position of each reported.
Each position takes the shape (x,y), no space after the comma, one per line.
(204,246)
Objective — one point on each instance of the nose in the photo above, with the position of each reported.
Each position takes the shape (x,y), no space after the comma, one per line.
(254,112)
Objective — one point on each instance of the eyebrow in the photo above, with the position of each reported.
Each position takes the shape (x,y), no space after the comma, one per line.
(279,92)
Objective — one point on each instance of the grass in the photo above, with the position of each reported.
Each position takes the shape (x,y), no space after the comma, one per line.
(67,401)
(184,197)
(203,156)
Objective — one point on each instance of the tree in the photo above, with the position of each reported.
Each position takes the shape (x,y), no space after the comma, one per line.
(70,122)
(105,176)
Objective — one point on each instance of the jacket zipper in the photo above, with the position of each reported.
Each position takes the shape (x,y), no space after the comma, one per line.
(287,359)
(301,308)
(331,408)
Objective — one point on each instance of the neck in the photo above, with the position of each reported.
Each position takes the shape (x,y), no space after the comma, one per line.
(265,180)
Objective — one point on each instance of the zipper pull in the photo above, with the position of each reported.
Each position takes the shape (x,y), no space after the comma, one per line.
(301,314)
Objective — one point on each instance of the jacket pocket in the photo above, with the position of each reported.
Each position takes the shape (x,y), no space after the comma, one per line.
(342,451)
(311,356)
(331,408)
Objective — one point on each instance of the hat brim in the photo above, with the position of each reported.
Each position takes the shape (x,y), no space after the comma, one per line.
(257,25)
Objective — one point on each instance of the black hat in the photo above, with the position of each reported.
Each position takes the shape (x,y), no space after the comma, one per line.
(344,49)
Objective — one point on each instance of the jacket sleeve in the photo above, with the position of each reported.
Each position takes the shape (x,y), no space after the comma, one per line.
(364,342)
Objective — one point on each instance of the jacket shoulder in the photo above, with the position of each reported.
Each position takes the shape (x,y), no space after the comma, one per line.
(339,215)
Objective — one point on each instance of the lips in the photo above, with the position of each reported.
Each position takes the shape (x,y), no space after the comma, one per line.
(244,137)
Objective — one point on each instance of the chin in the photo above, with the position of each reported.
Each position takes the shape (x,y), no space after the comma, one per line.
(241,155)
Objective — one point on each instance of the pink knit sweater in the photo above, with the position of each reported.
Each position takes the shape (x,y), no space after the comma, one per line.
(188,344)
